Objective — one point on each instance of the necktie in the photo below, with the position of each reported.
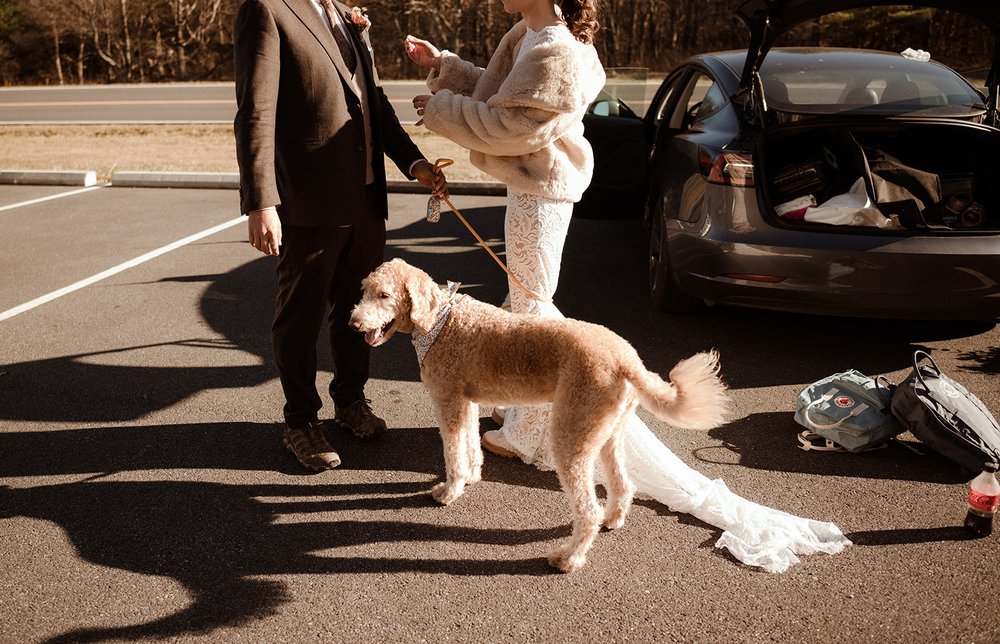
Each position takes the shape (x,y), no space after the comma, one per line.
(346,48)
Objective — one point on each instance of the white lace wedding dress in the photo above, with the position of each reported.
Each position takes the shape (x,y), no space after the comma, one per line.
(535,230)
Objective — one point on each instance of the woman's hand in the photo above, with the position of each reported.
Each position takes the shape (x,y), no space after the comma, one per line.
(422,52)
(419,103)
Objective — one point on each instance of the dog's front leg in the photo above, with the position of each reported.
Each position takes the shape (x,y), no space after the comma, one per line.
(454,417)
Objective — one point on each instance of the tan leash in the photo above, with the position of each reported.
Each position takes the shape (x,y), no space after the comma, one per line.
(434,213)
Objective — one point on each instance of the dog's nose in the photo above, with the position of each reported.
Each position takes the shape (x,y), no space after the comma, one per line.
(355,324)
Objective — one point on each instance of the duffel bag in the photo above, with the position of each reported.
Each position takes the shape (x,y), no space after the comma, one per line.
(945,416)
(850,409)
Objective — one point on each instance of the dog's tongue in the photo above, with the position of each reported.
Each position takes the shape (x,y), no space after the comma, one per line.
(371,337)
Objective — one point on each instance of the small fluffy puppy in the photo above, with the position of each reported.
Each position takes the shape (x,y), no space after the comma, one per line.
(471,353)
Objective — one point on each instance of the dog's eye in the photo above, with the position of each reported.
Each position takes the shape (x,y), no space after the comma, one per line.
(383,295)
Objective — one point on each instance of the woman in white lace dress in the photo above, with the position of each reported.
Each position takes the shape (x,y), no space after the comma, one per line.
(521,119)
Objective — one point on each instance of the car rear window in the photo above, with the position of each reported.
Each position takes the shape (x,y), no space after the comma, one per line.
(837,81)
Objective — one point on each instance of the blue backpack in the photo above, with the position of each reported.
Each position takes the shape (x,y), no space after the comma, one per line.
(849,409)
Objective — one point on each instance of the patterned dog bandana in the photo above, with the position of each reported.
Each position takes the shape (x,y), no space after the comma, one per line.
(422,341)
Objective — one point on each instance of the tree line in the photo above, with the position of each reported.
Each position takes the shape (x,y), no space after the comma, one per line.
(62,42)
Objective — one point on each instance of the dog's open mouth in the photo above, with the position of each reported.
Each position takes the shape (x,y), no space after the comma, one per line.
(376,337)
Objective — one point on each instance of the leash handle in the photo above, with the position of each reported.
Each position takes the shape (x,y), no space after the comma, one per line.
(444,163)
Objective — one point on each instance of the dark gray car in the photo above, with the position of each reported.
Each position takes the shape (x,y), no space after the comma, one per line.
(830,181)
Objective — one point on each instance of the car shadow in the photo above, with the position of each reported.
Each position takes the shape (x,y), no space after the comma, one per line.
(604,280)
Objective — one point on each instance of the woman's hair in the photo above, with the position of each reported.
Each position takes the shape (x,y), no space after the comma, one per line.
(581,18)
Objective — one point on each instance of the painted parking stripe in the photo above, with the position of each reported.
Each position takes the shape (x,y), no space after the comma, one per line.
(27,306)
(49,198)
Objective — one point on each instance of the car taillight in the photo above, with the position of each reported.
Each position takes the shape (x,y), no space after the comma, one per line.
(729,169)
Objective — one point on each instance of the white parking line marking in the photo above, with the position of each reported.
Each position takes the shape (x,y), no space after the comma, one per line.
(27,306)
(49,198)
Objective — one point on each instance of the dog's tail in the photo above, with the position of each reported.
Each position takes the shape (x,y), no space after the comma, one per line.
(694,398)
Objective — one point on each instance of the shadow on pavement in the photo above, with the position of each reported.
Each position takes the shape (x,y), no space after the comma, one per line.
(179,529)
(213,538)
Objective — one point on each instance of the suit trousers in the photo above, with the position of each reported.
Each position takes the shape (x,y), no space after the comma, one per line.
(320,269)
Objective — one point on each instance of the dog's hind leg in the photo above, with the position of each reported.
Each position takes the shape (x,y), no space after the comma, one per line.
(575,453)
(620,488)
(456,418)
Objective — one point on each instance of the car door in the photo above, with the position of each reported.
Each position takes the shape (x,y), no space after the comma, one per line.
(685,131)
(617,135)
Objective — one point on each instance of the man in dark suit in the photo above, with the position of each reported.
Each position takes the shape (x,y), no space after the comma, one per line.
(311,127)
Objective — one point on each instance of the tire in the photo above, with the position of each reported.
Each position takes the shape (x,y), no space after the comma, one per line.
(664,292)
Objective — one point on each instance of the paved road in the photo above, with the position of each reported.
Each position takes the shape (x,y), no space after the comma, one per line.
(144,493)
(166,103)
(188,103)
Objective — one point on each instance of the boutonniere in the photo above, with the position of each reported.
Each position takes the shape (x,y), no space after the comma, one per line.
(358,16)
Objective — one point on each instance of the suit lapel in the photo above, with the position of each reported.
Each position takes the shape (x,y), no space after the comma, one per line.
(319,27)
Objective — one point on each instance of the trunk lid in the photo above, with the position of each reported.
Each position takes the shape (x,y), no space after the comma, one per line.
(768,20)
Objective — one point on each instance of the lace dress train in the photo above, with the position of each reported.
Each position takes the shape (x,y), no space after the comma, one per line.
(535,230)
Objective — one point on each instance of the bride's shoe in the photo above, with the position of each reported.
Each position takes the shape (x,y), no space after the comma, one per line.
(499,415)
(494,442)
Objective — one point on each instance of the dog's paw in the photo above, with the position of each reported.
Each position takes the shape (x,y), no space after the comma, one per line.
(563,559)
(614,520)
(444,493)
(476,476)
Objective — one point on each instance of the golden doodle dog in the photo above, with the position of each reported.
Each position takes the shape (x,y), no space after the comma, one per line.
(471,352)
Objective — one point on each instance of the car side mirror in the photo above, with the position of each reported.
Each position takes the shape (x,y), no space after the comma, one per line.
(605,107)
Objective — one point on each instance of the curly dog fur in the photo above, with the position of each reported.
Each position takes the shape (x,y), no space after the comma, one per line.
(592,377)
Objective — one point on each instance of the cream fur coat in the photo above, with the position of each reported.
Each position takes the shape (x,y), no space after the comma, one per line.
(522,123)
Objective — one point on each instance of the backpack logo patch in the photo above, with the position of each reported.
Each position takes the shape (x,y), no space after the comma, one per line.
(844,401)
(948,389)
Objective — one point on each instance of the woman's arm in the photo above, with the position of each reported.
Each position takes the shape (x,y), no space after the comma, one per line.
(538,102)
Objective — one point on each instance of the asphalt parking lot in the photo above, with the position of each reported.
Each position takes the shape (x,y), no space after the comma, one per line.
(144,492)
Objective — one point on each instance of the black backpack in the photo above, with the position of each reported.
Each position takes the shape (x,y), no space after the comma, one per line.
(945,416)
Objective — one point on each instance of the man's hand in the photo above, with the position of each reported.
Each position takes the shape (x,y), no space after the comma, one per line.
(424,173)
(265,230)
(422,52)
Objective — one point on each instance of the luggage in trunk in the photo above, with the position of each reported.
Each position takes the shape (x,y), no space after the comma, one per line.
(922,177)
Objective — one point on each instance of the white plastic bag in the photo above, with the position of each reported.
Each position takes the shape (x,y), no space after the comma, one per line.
(853,208)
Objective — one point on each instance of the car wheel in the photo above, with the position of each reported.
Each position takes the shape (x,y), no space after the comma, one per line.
(664,292)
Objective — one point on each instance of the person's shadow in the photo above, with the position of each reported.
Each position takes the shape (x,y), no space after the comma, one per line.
(218,539)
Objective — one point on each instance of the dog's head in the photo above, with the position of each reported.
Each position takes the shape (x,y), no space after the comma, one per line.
(396,297)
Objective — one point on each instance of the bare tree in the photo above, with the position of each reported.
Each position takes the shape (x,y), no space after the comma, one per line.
(136,40)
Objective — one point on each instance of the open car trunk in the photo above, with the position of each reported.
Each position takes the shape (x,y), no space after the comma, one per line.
(901,177)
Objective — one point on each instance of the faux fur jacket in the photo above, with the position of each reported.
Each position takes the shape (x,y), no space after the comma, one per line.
(522,123)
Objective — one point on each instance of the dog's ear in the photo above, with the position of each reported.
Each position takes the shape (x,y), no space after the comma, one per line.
(425,297)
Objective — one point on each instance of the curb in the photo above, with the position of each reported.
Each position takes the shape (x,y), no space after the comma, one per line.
(216,180)
(49,177)
(209,180)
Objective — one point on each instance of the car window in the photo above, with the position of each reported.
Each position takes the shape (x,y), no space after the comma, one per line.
(700,100)
(713,101)
(661,103)
(826,82)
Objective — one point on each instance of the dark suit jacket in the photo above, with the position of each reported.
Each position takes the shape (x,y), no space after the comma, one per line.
(299,128)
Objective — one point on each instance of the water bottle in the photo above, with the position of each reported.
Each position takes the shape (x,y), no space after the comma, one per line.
(984,493)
